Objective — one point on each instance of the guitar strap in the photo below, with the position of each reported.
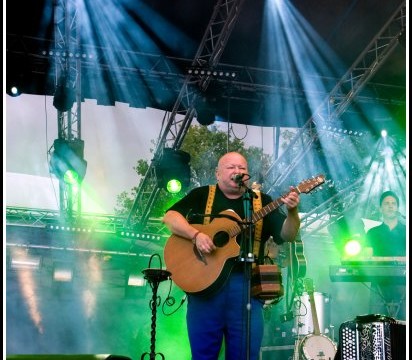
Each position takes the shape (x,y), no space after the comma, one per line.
(257,205)
(209,204)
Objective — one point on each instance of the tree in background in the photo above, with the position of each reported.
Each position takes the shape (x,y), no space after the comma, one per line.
(205,147)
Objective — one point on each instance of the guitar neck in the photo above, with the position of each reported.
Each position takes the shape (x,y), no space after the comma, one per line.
(272,206)
(305,186)
(316,328)
(258,215)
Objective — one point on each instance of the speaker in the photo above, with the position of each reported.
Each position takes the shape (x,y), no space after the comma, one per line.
(66,357)
(281,352)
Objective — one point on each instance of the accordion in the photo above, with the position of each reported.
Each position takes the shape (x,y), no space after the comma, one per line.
(372,337)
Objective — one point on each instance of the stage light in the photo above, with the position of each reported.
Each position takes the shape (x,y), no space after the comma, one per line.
(174,186)
(64,95)
(67,161)
(352,247)
(62,271)
(22,259)
(211,72)
(136,284)
(13,90)
(139,235)
(76,228)
(204,114)
(173,170)
(136,279)
(205,117)
(348,235)
(15,83)
(30,262)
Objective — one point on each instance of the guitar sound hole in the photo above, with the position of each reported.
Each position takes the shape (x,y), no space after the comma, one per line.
(221,238)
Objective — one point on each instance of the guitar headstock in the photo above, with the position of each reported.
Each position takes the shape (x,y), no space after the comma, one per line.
(309,285)
(306,186)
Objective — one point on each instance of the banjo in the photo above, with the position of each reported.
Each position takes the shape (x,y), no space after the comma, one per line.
(316,346)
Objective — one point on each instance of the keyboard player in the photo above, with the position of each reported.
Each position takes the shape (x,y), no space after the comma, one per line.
(388,240)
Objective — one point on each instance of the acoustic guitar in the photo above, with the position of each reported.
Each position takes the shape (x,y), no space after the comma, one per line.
(316,346)
(203,274)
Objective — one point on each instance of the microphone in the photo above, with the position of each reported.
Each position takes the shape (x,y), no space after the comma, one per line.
(238,178)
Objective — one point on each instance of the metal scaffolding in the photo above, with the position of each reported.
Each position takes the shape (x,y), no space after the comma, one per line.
(178,121)
(329,112)
(67,76)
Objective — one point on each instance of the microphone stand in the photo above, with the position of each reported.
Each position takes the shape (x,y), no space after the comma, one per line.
(246,255)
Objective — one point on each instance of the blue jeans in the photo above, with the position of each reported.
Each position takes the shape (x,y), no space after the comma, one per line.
(223,317)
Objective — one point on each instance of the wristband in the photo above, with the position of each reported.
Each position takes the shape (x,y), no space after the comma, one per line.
(194,237)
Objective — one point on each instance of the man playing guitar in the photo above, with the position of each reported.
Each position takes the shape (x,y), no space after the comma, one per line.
(218,316)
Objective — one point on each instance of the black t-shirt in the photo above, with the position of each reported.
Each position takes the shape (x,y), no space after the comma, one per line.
(387,242)
(386,291)
(193,205)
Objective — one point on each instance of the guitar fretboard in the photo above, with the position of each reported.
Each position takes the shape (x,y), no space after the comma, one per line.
(305,186)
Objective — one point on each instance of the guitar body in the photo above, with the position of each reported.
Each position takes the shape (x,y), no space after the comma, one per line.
(203,274)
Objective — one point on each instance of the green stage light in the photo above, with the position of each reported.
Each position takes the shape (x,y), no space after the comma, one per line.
(67,161)
(352,247)
(174,186)
(71,177)
(173,170)
(348,234)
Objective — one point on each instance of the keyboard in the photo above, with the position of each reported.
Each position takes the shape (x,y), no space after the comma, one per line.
(367,273)
(375,260)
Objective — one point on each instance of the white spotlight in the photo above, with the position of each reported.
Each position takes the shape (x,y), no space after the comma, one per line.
(136,280)
(62,271)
